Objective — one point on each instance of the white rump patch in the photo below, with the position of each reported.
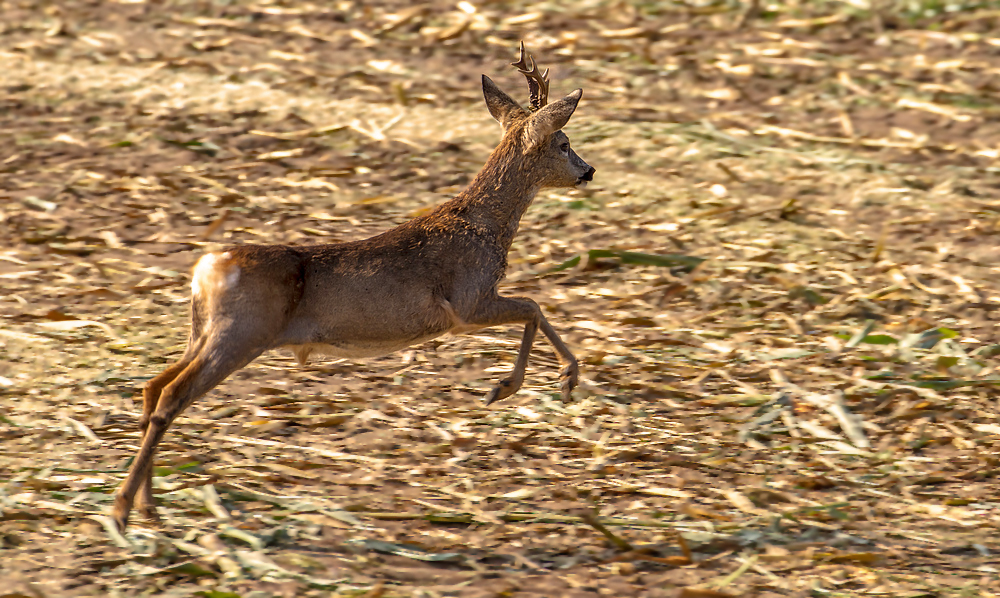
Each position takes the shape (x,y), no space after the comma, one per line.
(214,272)
(233,274)
(202,272)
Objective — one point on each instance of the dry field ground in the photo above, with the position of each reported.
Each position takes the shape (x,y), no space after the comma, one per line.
(783,287)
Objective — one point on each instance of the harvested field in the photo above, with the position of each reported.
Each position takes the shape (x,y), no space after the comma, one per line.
(783,287)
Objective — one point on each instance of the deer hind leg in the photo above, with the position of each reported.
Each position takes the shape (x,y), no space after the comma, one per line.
(510,310)
(150,399)
(223,352)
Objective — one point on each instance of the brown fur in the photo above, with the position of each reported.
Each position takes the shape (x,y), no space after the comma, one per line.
(430,276)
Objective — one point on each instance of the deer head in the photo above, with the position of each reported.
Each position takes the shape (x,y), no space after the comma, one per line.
(537,132)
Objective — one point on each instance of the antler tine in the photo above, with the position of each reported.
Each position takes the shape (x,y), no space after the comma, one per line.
(523,61)
(538,82)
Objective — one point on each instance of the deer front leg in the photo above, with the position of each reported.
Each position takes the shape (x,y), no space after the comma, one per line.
(570,374)
(511,310)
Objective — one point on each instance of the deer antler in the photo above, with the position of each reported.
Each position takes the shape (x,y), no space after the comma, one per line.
(538,82)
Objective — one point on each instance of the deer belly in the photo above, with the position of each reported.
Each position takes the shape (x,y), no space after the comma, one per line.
(356,349)
(352,333)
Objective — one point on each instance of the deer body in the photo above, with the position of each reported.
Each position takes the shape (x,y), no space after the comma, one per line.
(433,275)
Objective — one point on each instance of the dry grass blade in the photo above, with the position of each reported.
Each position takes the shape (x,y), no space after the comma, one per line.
(309,449)
(84,430)
(619,543)
(743,568)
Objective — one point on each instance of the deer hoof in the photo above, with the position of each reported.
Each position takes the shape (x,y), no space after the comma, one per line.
(120,517)
(569,378)
(149,514)
(501,391)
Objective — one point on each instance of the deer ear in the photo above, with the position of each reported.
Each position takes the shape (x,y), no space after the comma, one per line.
(501,106)
(550,119)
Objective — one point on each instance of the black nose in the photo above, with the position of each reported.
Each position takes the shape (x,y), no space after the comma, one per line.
(589,176)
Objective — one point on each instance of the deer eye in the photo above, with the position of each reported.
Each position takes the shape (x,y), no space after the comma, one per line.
(564,147)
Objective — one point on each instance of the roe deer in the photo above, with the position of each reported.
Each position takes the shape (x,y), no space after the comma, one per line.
(435,274)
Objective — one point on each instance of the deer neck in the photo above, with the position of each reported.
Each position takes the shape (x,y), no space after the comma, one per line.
(500,194)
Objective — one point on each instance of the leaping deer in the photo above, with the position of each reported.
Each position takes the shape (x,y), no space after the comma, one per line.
(435,274)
